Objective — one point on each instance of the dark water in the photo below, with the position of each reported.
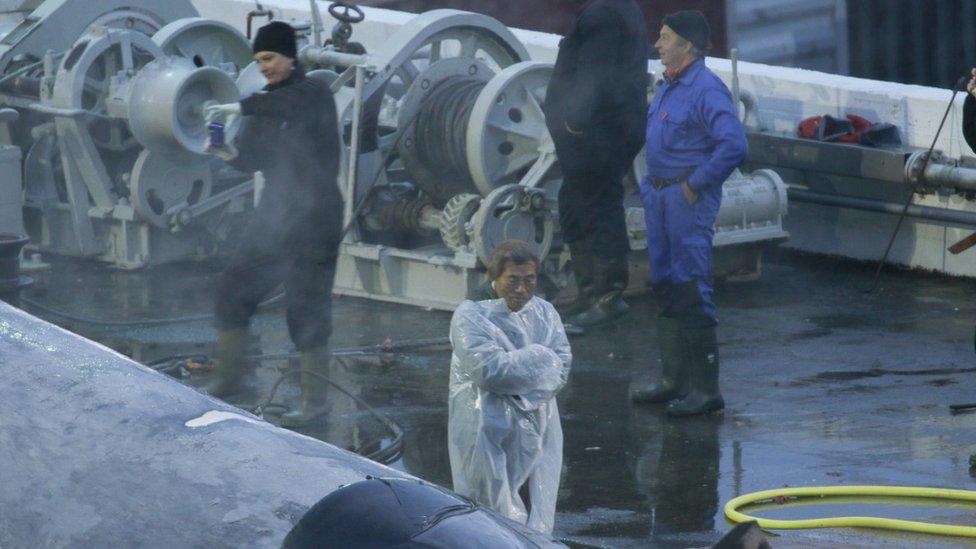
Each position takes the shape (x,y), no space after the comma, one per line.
(825,386)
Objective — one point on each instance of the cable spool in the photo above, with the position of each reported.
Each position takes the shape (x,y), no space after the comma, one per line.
(165,107)
(441,128)
(434,119)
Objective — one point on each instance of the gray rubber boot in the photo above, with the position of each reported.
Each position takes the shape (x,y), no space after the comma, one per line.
(674,366)
(703,396)
(229,375)
(312,402)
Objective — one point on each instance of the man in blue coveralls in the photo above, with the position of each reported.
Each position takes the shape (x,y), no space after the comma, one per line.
(694,141)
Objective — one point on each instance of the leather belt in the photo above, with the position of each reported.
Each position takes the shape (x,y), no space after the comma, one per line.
(660,182)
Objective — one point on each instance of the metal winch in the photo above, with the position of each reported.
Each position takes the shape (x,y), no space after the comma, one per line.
(449,107)
(753,208)
(445,150)
(111,96)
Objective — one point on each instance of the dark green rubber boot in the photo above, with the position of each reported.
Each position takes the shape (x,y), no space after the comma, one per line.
(581,262)
(609,283)
(703,395)
(312,402)
(229,376)
(674,366)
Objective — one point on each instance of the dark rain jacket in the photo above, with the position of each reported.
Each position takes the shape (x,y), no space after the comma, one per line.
(599,83)
(290,134)
(969,121)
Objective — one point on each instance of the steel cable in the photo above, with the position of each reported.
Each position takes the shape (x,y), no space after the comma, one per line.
(440,133)
(170,364)
(911,196)
(412,122)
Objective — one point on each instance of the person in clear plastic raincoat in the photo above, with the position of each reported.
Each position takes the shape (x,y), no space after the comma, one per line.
(510,359)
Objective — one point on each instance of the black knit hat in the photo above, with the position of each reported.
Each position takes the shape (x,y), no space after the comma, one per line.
(277,37)
(690,25)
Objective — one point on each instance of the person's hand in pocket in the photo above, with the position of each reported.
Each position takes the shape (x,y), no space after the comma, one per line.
(690,195)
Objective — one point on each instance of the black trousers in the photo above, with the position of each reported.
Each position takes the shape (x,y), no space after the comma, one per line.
(591,200)
(264,259)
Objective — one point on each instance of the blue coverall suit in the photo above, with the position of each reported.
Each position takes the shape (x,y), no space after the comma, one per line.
(693,134)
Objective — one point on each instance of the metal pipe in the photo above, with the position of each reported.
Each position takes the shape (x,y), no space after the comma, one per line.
(430,218)
(184,214)
(21,71)
(22,86)
(751,107)
(68,113)
(734,55)
(47,63)
(926,213)
(259,12)
(951,176)
(316,23)
(357,114)
(321,56)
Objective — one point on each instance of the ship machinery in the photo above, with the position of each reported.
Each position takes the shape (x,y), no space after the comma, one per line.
(445,151)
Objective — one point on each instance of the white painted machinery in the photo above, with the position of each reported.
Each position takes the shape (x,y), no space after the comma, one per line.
(110,95)
(445,147)
(445,133)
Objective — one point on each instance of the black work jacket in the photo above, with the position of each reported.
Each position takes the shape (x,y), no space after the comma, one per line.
(969,121)
(290,133)
(599,83)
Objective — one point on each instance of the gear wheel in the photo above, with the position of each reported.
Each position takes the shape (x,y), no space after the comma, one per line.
(457,213)
(512,212)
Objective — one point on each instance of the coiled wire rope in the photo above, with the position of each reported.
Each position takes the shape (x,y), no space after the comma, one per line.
(440,132)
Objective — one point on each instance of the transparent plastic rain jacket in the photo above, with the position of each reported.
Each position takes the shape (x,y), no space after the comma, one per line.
(503,425)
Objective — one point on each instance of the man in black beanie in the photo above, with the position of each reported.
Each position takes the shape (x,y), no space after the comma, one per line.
(595,107)
(290,134)
(694,141)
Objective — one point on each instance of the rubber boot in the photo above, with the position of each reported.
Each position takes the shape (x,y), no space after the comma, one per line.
(610,281)
(674,366)
(229,375)
(703,394)
(581,261)
(312,402)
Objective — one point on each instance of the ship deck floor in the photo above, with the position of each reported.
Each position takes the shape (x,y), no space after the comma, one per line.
(824,385)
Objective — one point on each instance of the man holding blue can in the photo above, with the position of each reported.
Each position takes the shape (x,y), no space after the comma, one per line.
(289,133)
(694,141)
(216,130)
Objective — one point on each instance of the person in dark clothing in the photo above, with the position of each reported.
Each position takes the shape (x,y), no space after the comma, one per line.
(290,134)
(595,107)
(969,113)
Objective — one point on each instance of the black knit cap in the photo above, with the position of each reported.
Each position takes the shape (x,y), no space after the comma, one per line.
(690,25)
(277,37)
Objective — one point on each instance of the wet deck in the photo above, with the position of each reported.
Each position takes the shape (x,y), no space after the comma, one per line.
(825,386)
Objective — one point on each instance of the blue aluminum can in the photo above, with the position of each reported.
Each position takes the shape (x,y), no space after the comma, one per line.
(216,134)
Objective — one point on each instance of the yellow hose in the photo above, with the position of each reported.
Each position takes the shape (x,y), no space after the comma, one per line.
(731,509)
